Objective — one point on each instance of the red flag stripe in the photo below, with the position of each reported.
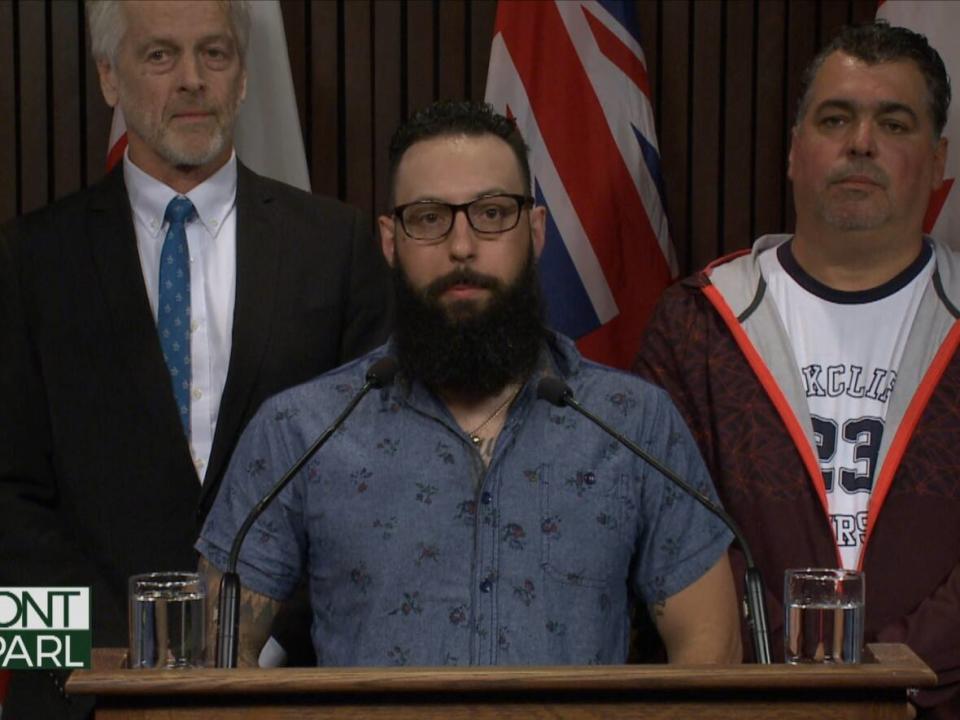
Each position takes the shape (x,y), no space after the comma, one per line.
(938,199)
(116,152)
(618,53)
(581,157)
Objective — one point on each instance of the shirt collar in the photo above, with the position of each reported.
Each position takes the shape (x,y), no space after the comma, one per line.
(214,198)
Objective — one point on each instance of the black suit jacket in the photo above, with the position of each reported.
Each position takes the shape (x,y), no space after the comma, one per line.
(96,478)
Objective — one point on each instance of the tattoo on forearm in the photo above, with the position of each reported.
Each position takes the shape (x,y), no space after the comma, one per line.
(256,616)
(211,580)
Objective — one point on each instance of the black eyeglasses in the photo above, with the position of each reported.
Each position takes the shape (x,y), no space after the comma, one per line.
(428,222)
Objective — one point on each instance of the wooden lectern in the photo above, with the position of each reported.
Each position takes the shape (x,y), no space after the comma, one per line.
(876,689)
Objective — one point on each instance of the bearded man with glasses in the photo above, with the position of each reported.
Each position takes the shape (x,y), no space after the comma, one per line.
(455,519)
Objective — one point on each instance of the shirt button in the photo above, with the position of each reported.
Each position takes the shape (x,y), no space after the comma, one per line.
(197,394)
(485,586)
(198,463)
(486,498)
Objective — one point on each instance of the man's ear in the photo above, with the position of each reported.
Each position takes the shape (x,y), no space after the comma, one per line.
(388,237)
(108,82)
(940,162)
(538,229)
(793,142)
(243,85)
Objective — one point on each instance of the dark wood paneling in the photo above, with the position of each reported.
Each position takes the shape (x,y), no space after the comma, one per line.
(65,74)
(833,16)
(648,19)
(97,115)
(482,17)
(674,131)
(451,67)
(358,101)
(862,11)
(706,113)
(34,138)
(739,109)
(420,38)
(8,114)
(769,158)
(801,47)
(387,90)
(724,78)
(323,127)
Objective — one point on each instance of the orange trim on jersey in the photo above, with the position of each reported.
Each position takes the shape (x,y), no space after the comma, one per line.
(799,436)
(908,425)
(726,258)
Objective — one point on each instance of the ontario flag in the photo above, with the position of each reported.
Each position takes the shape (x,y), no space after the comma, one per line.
(939,22)
(573,75)
(267,135)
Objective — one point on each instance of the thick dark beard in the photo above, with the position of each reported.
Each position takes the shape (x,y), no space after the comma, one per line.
(464,350)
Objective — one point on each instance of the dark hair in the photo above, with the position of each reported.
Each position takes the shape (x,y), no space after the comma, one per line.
(457,117)
(879,42)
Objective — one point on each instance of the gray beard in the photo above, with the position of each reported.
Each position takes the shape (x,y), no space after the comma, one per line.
(160,140)
(852,219)
(185,158)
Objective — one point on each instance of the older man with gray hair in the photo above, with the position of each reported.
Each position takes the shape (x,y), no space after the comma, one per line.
(144,319)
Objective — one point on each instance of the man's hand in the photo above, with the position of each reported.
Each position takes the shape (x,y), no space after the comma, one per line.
(256,617)
(700,624)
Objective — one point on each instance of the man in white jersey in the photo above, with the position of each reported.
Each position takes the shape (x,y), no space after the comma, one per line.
(125,388)
(818,372)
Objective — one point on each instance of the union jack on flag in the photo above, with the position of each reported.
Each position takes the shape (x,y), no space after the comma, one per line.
(572,74)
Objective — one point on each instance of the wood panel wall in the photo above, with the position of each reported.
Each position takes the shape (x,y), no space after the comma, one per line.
(725,78)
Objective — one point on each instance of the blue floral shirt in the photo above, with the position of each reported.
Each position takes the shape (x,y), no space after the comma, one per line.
(418,554)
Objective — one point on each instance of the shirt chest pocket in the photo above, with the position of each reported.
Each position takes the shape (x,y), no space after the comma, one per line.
(587,524)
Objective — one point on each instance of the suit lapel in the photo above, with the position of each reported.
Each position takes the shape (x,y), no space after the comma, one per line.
(113,246)
(259,234)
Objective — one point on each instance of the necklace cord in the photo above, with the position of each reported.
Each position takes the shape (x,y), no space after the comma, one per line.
(474,438)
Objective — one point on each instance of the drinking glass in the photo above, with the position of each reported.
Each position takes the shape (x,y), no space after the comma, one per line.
(824,615)
(167,624)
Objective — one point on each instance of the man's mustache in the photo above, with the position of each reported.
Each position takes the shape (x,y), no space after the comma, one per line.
(460,276)
(861,168)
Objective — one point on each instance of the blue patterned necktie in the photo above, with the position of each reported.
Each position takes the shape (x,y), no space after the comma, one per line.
(173,306)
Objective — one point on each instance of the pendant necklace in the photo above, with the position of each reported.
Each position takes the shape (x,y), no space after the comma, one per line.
(474,434)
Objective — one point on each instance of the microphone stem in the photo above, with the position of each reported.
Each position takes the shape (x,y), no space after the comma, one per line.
(229,600)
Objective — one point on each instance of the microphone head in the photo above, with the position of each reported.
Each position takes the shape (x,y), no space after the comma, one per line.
(554,390)
(382,372)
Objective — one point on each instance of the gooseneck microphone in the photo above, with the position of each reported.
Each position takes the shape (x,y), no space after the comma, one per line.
(380,375)
(558,393)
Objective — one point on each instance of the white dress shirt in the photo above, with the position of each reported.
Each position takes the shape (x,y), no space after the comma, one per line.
(212,241)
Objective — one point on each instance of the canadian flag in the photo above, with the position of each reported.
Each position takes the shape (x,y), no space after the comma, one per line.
(267,135)
(939,21)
